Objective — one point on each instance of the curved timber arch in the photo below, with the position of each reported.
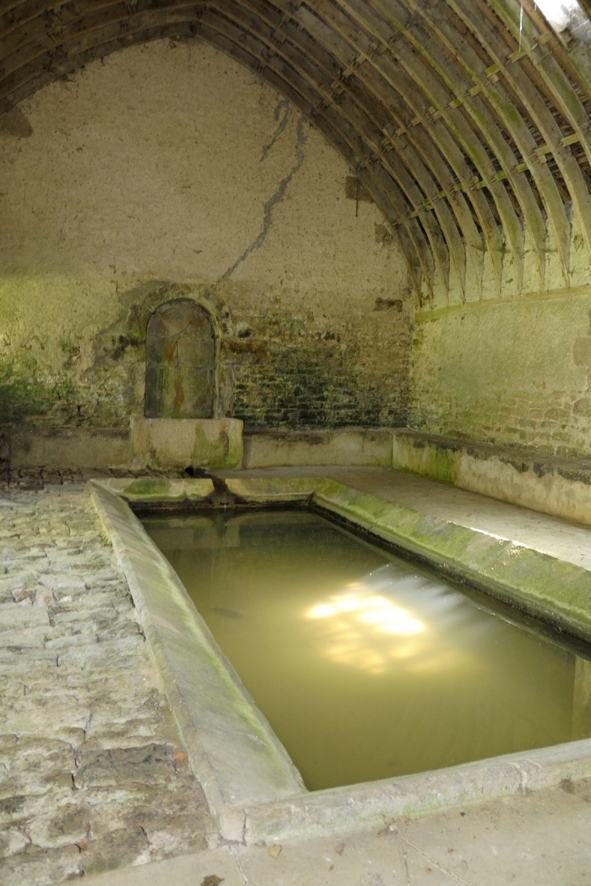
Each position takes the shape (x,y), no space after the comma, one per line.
(466,122)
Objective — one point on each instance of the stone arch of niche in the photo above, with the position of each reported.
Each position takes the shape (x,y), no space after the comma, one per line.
(181,358)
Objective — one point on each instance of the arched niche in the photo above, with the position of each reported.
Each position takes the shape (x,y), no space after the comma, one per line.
(180,362)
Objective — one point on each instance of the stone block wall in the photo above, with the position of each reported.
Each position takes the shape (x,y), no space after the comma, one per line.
(512,373)
(302,371)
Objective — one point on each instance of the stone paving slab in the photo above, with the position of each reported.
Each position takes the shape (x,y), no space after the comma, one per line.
(93,774)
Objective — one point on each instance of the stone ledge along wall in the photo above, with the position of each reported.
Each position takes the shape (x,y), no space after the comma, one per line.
(169,171)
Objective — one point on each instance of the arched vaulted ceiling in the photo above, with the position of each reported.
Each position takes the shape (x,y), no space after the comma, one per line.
(466,121)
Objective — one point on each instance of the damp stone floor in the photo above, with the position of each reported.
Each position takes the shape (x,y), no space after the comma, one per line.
(94,779)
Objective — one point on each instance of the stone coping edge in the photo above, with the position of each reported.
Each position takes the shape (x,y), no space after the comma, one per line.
(382,802)
(557,591)
(234,753)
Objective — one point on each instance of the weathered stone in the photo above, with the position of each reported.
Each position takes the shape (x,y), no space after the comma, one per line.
(35,756)
(7,746)
(119,630)
(43,596)
(16,578)
(25,592)
(15,615)
(43,716)
(23,638)
(116,848)
(36,866)
(60,581)
(125,648)
(64,826)
(151,764)
(12,841)
(13,659)
(94,600)
(97,704)
(83,638)
(98,617)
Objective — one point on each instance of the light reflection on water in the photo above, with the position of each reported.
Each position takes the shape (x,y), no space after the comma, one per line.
(365,667)
(393,622)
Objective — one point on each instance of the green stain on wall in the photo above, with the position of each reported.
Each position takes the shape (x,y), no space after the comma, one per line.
(509,373)
(23,395)
(277,368)
(432,461)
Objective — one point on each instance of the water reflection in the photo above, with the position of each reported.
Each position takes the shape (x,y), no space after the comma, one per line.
(391,620)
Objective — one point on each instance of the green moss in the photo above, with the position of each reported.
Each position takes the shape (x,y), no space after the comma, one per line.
(428,460)
(223,452)
(147,487)
(441,466)
(23,395)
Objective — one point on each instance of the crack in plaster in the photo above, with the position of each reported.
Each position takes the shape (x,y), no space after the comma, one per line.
(284,107)
(405,859)
(455,876)
(276,198)
(241,870)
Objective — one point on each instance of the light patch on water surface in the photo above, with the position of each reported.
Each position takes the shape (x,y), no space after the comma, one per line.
(369,609)
(364,625)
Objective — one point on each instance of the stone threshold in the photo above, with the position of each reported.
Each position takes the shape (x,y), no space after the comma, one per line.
(250,783)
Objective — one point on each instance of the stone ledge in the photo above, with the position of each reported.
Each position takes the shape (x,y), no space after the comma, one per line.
(332,446)
(549,484)
(82,447)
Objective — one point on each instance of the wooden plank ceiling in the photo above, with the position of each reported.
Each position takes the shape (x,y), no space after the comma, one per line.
(466,121)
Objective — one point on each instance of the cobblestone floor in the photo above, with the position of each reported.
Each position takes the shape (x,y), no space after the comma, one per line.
(92,772)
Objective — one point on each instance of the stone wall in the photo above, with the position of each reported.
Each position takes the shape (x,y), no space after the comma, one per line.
(170,171)
(512,372)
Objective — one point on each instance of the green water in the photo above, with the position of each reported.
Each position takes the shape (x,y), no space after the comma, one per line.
(365,667)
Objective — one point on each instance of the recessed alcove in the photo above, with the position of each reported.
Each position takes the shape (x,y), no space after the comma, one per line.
(180,362)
